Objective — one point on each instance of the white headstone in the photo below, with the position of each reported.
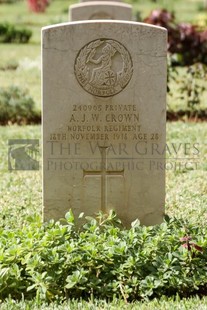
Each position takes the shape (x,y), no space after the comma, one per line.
(100,10)
(104,117)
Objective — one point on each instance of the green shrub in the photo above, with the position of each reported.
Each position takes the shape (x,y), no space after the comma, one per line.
(16,106)
(185,40)
(10,65)
(102,260)
(191,88)
(191,85)
(8,1)
(10,34)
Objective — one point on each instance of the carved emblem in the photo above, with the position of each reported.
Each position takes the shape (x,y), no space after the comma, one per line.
(103,67)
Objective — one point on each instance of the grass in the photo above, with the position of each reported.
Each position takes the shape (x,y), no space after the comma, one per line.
(164,304)
(20,190)
(186,190)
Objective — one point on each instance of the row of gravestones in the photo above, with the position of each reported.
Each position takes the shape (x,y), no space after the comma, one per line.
(104,115)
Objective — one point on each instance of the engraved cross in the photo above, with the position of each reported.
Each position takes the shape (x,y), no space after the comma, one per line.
(103,173)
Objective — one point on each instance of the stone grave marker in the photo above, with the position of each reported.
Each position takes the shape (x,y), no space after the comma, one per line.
(104,118)
(100,10)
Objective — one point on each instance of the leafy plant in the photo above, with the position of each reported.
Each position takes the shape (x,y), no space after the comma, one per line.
(16,106)
(101,260)
(191,85)
(38,6)
(191,89)
(10,34)
(185,40)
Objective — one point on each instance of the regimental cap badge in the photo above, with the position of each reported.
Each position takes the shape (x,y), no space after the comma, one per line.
(103,67)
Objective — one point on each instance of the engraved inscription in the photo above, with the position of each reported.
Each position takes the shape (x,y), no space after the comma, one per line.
(104,122)
(103,67)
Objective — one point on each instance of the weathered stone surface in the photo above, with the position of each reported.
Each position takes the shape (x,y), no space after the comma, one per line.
(104,116)
(100,10)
